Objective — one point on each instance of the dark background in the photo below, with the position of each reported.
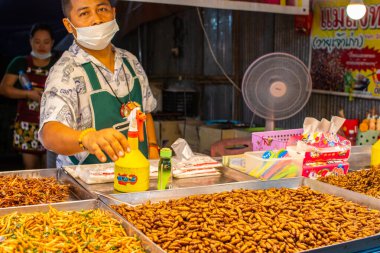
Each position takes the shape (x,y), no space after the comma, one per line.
(16,19)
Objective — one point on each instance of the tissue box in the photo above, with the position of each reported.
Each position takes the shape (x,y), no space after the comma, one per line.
(321,155)
(325,147)
(273,168)
(322,169)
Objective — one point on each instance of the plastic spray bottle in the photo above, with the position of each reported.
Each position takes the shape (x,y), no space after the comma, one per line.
(132,170)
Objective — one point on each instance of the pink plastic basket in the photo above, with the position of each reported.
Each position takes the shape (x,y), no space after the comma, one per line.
(273,140)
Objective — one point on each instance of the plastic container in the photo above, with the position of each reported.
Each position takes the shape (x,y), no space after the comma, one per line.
(273,168)
(24,80)
(273,140)
(322,150)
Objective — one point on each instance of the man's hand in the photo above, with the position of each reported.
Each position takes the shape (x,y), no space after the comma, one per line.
(106,141)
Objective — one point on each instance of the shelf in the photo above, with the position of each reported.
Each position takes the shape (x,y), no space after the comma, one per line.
(238,5)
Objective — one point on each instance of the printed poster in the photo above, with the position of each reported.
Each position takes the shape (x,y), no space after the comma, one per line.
(345,52)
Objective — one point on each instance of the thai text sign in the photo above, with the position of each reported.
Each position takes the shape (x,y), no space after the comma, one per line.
(346,52)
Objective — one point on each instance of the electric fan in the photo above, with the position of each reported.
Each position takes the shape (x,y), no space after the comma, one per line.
(276,86)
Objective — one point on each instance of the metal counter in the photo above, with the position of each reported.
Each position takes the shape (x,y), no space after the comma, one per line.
(360,157)
(227,175)
(350,246)
(76,191)
(148,245)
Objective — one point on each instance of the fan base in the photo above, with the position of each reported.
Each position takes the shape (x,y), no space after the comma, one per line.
(269,125)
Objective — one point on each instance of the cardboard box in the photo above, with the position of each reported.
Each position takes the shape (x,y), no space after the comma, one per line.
(208,135)
(190,132)
(167,132)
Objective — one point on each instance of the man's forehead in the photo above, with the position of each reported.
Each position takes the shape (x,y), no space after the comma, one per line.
(82,4)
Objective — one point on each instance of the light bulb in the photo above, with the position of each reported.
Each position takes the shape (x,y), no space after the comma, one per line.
(356,9)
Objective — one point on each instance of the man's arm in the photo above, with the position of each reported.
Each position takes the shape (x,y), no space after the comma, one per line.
(152,140)
(64,140)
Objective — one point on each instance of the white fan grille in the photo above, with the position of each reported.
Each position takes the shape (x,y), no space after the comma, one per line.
(276,86)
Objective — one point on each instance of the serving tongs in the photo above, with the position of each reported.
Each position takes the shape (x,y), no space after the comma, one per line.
(105,195)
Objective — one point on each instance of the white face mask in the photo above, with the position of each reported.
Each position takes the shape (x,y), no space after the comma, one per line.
(96,37)
(40,56)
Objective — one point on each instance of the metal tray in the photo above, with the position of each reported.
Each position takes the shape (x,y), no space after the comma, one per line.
(227,175)
(76,191)
(148,245)
(294,183)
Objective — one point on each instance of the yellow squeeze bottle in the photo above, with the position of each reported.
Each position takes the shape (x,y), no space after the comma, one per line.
(375,155)
(132,170)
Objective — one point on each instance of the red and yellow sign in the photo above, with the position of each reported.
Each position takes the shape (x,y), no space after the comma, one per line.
(346,52)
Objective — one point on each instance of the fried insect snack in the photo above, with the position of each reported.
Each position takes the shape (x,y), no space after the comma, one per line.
(363,181)
(272,220)
(65,231)
(19,191)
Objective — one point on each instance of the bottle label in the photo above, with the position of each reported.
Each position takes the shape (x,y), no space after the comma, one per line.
(131,179)
(124,179)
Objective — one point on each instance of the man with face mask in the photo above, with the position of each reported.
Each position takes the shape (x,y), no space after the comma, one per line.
(81,116)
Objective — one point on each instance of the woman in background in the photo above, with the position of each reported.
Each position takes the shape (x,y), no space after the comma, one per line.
(36,66)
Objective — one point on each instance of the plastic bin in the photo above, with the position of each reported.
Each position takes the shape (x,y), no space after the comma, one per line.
(274,168)
(272,140)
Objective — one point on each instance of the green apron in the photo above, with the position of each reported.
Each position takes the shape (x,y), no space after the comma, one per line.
(106,109)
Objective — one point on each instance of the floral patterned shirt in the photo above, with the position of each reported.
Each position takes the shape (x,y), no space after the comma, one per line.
(66,98)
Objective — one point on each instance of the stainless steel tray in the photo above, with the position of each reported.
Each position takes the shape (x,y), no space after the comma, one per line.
(227,175)
(148,245)
(350,246)
(76,191)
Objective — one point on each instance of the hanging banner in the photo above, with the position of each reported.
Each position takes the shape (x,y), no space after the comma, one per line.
(345,52)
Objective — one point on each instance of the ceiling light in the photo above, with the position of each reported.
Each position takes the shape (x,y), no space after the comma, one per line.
(356,9)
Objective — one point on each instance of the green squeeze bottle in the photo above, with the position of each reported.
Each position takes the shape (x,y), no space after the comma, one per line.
(165,169)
